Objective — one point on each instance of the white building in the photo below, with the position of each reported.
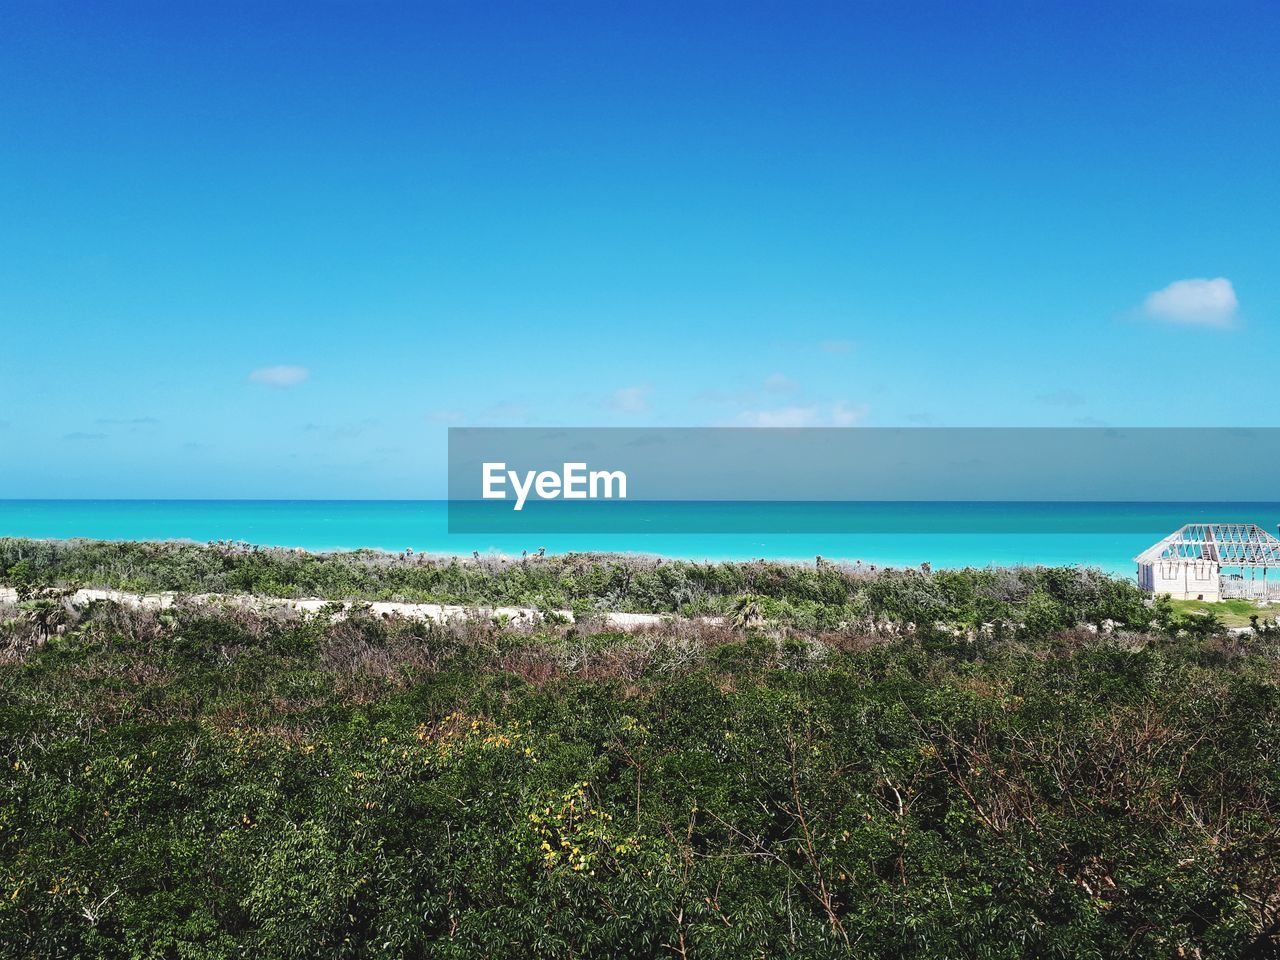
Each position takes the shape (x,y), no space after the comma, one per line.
(1213,561)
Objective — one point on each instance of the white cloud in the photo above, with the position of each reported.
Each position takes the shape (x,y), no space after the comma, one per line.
(1196,302)
(631,399)
(838,415)
(280,376)
(780,383)
(783,417)
(844,415)
(447,417)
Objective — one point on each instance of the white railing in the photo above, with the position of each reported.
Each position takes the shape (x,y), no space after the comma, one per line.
(1232,589)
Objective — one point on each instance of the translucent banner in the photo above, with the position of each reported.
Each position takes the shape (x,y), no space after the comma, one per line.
(858,480)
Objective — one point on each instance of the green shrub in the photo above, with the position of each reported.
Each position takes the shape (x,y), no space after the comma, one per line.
(219,784)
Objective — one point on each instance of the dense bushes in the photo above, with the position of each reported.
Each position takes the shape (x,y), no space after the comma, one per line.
(1031,600)
(203,784)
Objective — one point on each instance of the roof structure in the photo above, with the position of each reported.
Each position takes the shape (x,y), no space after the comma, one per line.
(1224,544)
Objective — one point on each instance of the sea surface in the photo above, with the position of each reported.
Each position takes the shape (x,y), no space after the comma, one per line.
(1107,536)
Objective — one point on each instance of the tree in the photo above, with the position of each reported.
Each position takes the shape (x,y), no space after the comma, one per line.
(747,613)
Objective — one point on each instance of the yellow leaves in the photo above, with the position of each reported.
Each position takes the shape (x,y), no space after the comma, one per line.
(575,832)
(62,887)
(457,733)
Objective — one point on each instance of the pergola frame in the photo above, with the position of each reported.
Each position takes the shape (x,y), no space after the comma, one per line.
(1245,547)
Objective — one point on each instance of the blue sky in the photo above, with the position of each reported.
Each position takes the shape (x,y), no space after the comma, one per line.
(274,250)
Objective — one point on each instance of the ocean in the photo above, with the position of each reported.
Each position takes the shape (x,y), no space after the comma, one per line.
(1106,536)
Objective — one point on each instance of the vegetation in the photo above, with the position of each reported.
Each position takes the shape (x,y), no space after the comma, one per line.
(1233,613)
(820,596)
(218,783)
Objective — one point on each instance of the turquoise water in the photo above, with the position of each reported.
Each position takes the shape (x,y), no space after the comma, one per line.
(1111,534)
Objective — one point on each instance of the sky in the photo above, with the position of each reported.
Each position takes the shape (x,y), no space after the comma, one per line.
(275,250)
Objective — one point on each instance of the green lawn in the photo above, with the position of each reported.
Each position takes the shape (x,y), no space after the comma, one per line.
(1234,613)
